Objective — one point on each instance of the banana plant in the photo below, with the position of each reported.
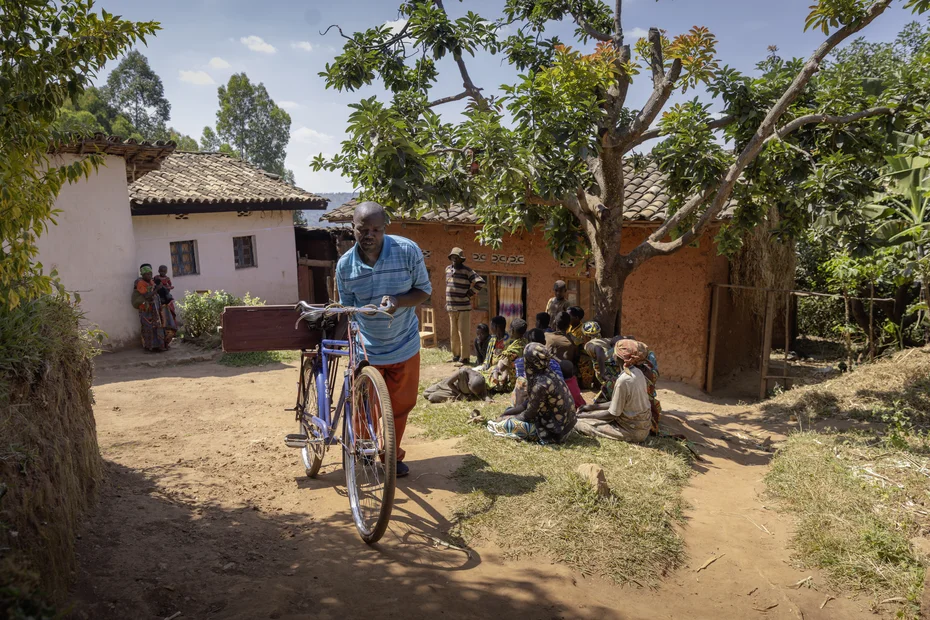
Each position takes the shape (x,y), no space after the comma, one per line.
(903,210)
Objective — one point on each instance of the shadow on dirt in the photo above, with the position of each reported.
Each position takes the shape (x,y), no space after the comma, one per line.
(152,550)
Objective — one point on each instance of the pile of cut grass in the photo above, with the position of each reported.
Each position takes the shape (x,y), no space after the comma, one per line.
(858,505)
(897,384)
(528,499)
(257,358)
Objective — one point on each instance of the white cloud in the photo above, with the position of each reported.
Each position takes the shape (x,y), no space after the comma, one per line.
(288,105)
(257,44)
(201,78)
(396,25)
(638,33)
(316,138)
(218,63)
(302,45)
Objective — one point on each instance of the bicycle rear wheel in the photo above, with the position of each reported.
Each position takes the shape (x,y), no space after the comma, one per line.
(308,405)
(370,462)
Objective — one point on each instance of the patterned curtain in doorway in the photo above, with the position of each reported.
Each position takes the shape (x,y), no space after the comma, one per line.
(510,297)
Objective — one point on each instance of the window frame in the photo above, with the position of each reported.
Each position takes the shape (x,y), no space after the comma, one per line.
(176,262)
(237,251)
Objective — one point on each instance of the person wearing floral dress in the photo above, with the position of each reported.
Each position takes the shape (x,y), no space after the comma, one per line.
(586,362)
(500,375)
(548,415)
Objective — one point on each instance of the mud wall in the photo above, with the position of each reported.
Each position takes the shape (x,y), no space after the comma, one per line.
(50,464)
(666,301)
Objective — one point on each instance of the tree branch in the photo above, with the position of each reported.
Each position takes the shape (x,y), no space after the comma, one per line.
(652,134)
(461,95)
(826,119)
(657,62)
(653,246)
(589,29)
(394,39)
(655,103)
(472,91)
(618,23)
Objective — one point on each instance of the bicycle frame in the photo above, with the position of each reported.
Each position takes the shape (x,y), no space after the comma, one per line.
(330,351)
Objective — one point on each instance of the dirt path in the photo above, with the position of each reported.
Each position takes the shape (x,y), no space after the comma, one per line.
(206,512)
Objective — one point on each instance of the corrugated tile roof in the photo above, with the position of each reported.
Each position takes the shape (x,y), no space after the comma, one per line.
(211,182)
(646,201)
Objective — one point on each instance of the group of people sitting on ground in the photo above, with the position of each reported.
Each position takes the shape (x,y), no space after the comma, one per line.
(545,369)
(151,296)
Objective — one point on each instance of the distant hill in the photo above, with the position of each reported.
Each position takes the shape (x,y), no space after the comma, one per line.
(336,200)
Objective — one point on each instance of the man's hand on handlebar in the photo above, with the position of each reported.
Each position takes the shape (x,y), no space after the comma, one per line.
(388,304)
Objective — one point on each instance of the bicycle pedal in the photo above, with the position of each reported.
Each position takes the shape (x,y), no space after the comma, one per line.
(296,440)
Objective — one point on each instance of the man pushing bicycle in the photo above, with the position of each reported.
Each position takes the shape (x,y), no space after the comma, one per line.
(387,271)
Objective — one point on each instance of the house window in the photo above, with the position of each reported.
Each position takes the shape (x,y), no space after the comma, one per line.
(244,248)
(184,258)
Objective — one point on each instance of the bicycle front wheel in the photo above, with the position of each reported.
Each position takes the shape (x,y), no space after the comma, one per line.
(370,461)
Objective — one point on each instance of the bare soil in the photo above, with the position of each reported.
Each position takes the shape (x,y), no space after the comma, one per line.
(204,511)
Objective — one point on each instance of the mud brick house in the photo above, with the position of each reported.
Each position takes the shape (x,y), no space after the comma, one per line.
(220,223)
(667,301)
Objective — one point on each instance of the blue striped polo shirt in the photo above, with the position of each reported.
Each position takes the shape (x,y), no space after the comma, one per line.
(399,269)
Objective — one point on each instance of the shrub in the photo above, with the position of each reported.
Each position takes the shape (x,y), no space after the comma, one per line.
(820,316)
(202,313)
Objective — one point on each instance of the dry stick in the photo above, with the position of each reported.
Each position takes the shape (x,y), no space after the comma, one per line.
(826,600)
(806,580)
(173,616)
(709,562)
(896,599)
(772,606)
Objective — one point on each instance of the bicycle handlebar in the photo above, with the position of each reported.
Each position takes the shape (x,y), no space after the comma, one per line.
(307,311)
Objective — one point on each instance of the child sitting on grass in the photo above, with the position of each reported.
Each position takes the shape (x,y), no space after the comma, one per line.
(482,338)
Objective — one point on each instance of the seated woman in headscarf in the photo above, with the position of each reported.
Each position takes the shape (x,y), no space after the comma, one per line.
(629,415)
(548,415)
(601,353)
(586,362)
(519,391)
(148,304)
(501,375)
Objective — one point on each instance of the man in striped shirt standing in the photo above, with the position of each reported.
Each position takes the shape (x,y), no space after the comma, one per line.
(389,272)
(461,285)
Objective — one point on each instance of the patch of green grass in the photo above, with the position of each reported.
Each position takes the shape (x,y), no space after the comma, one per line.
(529,500)
(257,358)
(433,356)
(858,506)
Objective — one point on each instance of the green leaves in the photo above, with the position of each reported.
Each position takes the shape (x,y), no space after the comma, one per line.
(48,52)
(831,14)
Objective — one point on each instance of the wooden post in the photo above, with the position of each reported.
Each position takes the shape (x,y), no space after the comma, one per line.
(712,345)
(787,335)
(767,343)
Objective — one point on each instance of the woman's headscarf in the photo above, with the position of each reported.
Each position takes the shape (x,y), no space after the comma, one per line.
(536,358)
(631,352)
(591,329)
(144,269)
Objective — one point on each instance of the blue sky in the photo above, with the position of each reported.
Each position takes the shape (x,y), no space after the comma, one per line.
(278,42)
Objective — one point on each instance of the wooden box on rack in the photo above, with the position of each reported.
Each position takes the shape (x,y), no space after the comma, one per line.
(266,328)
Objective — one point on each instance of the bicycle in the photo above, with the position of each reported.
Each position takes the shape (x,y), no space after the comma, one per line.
(369,450)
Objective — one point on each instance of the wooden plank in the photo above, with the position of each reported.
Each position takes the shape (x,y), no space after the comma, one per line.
(712,346)
(267,328)
(304,283)
(767,343)
(313,262)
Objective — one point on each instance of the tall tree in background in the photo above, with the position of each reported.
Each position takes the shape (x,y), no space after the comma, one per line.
(136,90)
(50,53)
(209,141)
(253,125)
(559,146)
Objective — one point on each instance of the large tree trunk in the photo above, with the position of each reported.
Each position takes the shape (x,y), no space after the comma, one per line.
(609,279)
